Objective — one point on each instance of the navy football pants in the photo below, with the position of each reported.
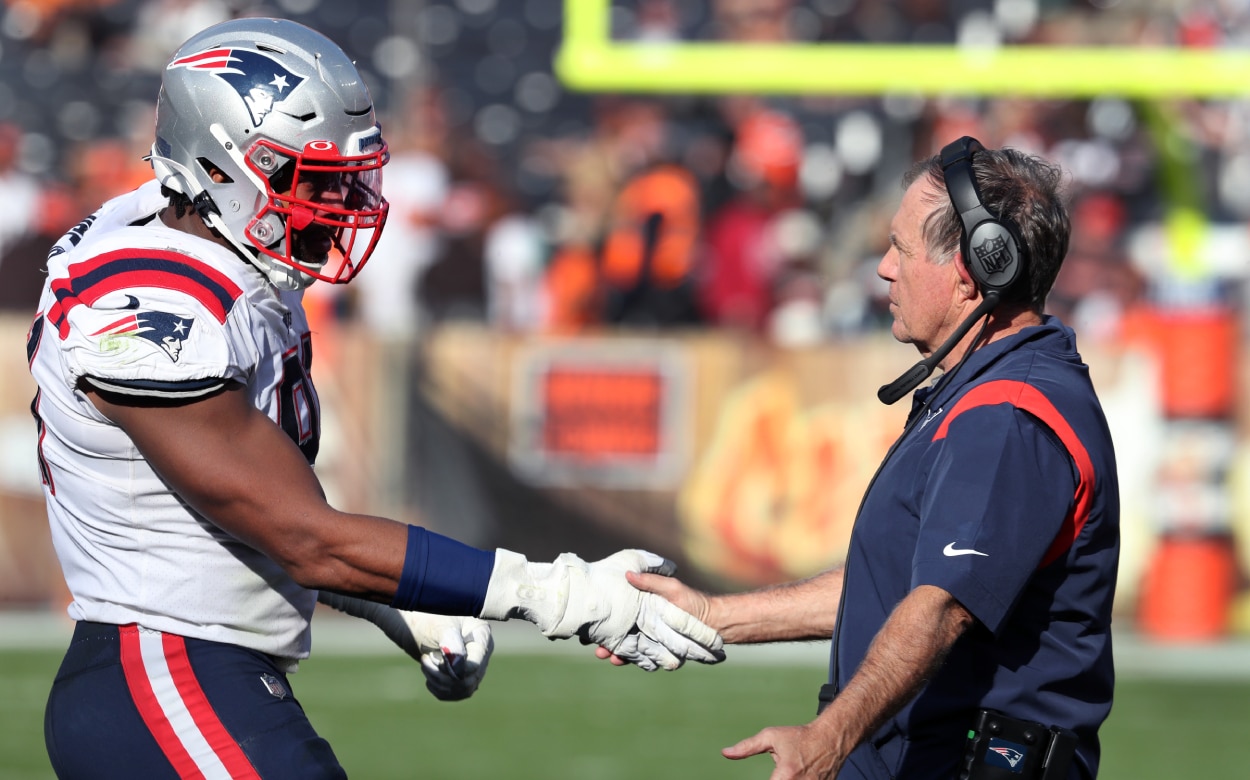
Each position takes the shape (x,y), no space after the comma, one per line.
(129,702)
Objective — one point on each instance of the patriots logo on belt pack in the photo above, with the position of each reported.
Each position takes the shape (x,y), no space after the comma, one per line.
(260,80)
(165,330)
(1007,751)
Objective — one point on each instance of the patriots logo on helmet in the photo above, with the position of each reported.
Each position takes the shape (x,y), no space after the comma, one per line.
(165,330)
(260,80)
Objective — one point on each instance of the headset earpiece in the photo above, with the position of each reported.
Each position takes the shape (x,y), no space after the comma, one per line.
(991,248)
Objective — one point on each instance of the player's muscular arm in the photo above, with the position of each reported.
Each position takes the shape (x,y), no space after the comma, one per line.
(241,471)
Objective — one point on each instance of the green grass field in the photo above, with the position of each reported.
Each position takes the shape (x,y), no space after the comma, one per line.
(568,716)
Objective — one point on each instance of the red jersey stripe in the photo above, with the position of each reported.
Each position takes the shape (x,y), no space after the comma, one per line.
(1028,398)
(136,268)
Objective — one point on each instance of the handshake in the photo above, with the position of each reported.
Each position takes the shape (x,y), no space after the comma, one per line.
(565,598)
(593,601)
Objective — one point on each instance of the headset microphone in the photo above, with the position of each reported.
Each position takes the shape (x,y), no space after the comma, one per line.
(913,376)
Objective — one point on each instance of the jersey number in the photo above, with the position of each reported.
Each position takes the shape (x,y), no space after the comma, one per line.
(299,413)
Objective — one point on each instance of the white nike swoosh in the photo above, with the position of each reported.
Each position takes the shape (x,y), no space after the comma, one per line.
(929,415)
(950,552)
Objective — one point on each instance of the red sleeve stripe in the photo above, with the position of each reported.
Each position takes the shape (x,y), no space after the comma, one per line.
(1028,398)
(133,268)
(174,708)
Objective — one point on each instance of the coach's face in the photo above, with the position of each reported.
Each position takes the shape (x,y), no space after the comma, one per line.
(928,296)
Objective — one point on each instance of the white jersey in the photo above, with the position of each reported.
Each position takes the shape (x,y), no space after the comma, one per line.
(132,306)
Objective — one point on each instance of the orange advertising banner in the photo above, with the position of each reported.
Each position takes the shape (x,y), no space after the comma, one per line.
(589,417)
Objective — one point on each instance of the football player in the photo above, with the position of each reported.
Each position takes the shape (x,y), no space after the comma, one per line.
(178,423)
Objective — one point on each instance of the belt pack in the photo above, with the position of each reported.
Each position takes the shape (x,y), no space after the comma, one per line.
(1005,748)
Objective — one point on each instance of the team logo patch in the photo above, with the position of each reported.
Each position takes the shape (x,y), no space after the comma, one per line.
(165,330)
(1002,753)
(274,686)
(992,254)
(260,80)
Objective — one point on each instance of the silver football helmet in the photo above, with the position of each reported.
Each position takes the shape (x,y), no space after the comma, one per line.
(268,128)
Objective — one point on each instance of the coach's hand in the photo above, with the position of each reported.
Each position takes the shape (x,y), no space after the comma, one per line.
(593,601)
(670,590)
(663,636)
(798,752)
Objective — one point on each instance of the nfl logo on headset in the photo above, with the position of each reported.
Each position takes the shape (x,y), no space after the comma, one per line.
(992,254)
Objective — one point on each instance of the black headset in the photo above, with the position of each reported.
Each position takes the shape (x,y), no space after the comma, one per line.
(992,253)
(991,248)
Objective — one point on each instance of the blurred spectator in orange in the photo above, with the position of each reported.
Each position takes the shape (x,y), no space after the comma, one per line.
(641,273)
(619,184)
(571,286)
(571,283)
(648,256)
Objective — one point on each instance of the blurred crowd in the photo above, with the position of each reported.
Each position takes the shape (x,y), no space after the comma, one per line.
(517,203)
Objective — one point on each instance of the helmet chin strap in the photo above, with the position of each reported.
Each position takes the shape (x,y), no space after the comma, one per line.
(280,275)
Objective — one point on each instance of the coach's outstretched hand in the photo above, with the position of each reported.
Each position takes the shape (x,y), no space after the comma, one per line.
(570,597)
(453,651)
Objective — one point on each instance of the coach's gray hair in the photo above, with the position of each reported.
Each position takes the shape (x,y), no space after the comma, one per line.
(1021,189)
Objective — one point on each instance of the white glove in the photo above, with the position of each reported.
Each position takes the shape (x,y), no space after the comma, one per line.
(594,601)
(453,651)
